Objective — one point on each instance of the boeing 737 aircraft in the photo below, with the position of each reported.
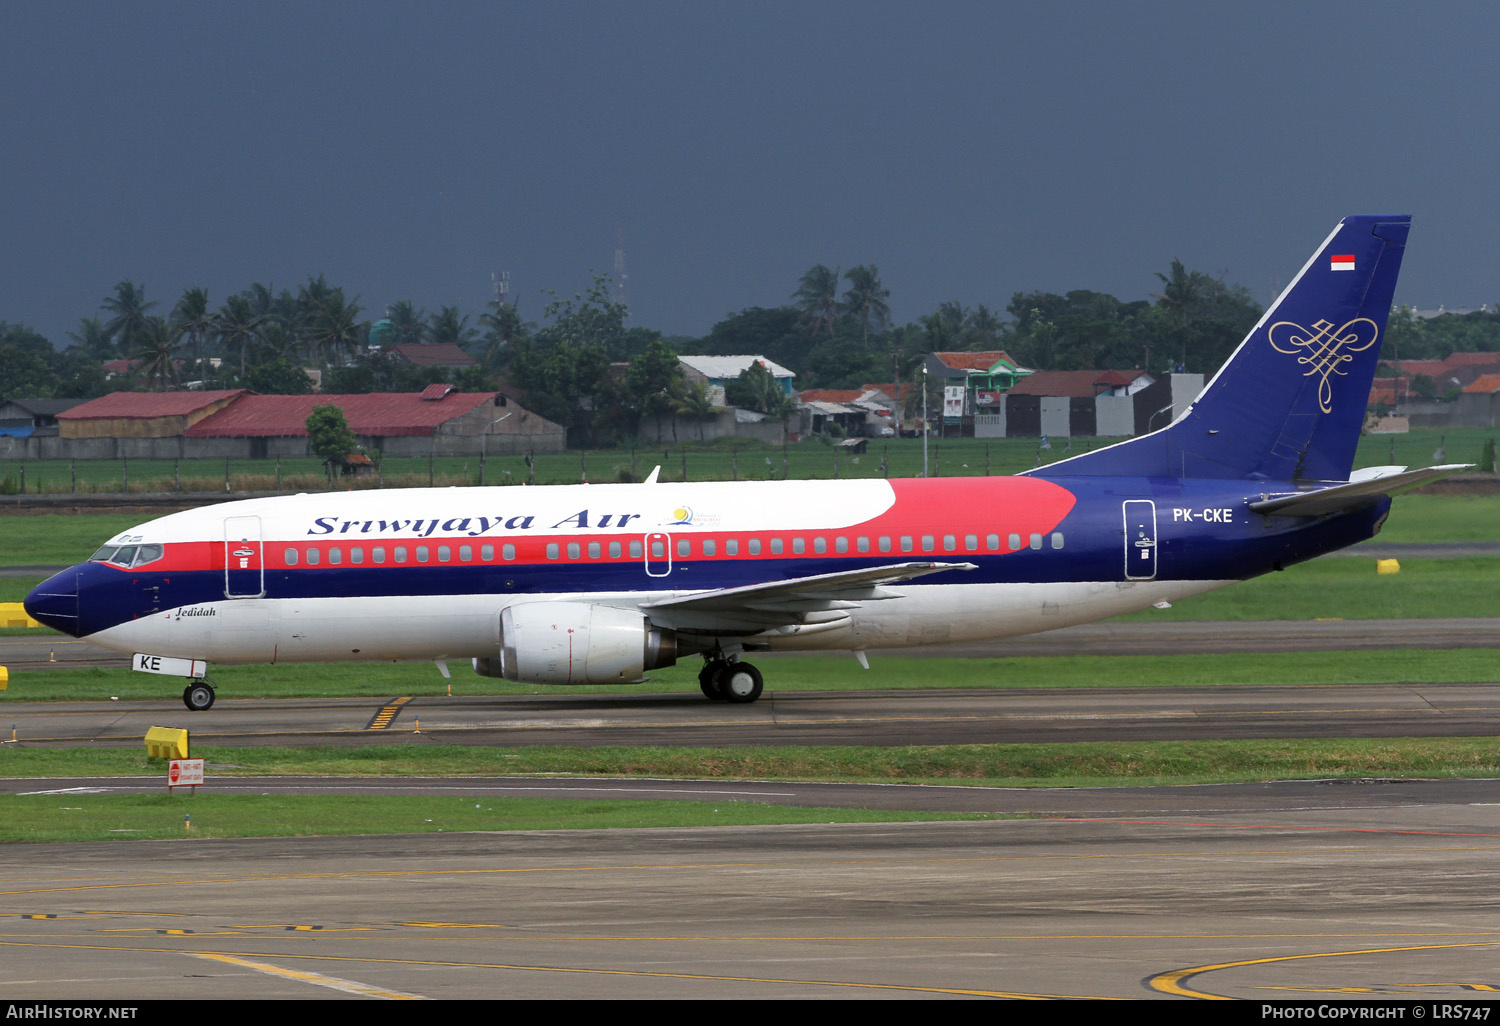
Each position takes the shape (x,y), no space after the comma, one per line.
(597,584)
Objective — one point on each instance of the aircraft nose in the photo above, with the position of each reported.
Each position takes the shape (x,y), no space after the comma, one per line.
(54,602)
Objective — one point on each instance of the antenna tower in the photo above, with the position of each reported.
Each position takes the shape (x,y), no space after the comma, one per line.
(621,277)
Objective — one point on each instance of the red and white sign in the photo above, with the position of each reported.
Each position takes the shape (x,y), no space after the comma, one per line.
(1341,262)
(184,773)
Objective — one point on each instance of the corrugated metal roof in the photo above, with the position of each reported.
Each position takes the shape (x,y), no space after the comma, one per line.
(973,361)
(723,367)
(144,405)
(1485,384)
(1080,384)
(434,354)
(379,413)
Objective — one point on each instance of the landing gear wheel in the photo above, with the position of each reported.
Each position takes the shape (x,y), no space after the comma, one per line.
(741,682)
(198,695)
(708,680)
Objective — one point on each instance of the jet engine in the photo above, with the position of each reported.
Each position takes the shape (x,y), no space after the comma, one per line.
(577,643)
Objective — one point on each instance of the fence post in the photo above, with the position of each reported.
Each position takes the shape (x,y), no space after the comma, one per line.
(684,463)
(176,475)
(278,473)
(73,474)
(125,474)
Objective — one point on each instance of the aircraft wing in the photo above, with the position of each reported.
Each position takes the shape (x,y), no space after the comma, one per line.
(1363,488)
(803,604)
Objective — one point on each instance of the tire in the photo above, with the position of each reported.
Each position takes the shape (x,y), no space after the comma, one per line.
(198,695)
(708,680)
(741,683)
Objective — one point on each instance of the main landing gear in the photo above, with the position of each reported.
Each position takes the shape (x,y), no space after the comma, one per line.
(198,695)
(730,680)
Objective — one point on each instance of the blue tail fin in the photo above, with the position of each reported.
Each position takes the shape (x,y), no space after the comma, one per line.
(1288,405)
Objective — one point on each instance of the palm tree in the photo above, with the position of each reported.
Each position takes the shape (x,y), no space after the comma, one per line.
(502,327)
(334,329)
(866,299)
(191,317)
(817,298)
(238,324)
(156,349)
(128,306)
(409,323)
(449,326)
(91,340)
(692,401)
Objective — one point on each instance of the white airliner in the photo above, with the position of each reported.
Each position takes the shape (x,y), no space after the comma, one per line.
(594,584)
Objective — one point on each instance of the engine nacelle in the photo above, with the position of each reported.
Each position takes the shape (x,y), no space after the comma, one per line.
(577,643)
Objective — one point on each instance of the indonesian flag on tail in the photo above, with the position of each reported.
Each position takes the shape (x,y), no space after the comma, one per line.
(1341,262)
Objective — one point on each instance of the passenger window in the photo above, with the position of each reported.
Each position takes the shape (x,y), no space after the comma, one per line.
(552,550)
(971,542)
(992,542)
(885,543)
(335,556)
(290,556)
(573,550)
(754,546)
(658,548)
(798,546)
(1057,539)
(775,546)
(422,553)
(487,553)
(906,543)
(466,553)
(732,547)
(1015,542)
(1036,541)
(594,550)
(508,551)
(313,557)
(635,550)
(444,553)
(841,544)
(357,554)
(614,550)
(928,544)
(401,553)
(378,554)
(862,544)
(684,547)
(820,544)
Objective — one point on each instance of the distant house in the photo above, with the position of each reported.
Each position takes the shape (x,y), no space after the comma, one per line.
(992,371)
(434,354)
(718,371)
(25,418)
(142,414)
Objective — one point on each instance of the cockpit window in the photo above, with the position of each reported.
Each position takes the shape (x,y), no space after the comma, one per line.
(127,555)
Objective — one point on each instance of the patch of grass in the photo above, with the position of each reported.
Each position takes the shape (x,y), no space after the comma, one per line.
(1074,764)
(39,818)
(790,673)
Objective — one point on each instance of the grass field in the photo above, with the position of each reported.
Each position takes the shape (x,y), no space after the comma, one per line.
(726,459)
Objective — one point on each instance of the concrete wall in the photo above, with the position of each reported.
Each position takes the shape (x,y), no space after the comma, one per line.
(1056,422)
(1114,416)
(723,425)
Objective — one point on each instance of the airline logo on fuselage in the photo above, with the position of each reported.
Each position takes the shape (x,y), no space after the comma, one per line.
(473,527)
(1323,349)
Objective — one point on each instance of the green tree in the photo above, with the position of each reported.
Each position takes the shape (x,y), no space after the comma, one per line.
(502,327)
(238,323)
(279,377)
(816,299)
(449,326)
(866,300)
(92,341)
(409,323)
(328,436)
(128,310)
(192,318)
(156,352)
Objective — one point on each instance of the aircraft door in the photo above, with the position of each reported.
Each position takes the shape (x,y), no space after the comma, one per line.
(658,554)
(244,565)
(1140,540)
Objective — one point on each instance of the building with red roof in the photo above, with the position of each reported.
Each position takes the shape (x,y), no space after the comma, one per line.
(434,354)
(142,414)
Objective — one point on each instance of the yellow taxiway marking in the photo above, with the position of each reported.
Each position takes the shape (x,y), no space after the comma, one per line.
(1174,982)
(387,713)
(318,979)
(234,958)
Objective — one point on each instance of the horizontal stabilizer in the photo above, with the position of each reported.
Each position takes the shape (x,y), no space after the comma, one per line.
(1361,491)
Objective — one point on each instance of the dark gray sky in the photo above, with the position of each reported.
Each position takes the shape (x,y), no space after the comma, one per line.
(969,150)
